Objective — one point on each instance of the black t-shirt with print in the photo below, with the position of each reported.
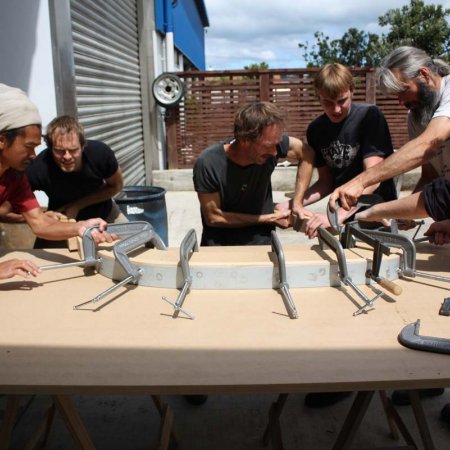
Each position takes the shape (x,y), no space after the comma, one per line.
(343,146)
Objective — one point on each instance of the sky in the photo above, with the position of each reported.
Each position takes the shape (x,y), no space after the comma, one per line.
(243,32)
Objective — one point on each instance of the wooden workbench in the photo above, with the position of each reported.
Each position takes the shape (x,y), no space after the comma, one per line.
(240,341)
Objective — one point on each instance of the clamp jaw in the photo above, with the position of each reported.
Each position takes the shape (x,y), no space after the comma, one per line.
(410,337)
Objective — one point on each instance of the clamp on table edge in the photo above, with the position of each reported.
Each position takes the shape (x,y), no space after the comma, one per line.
(188,246)
(133,234)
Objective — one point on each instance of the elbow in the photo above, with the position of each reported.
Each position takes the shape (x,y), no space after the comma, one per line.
(212,219)
(38,230)
(433,147)
(118,187)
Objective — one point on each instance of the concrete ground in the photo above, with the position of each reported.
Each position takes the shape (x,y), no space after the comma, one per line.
(226,421)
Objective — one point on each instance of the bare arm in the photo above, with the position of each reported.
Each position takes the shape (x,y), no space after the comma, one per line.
(410,207)
(112,186)
(302,153)
(413,154)
(211,207)
(46,227)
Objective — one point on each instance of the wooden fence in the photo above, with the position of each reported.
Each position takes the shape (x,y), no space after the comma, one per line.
(205,115)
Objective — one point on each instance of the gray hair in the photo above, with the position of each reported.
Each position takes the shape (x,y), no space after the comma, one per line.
(408,60)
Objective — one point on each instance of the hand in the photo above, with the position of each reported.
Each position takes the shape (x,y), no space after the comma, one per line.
(299,217)
(8,215)
(347,194)
(282,218)
(439,232)
(22,268)
(316,221)
(99,235)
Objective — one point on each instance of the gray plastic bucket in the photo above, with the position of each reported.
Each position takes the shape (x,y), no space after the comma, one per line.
(146,203)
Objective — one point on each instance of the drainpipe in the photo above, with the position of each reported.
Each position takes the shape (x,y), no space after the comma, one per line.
(168,28)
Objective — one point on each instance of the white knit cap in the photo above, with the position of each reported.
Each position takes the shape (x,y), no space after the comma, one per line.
(16,109)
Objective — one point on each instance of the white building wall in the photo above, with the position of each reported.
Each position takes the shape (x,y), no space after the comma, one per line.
(26,52)
(26,55)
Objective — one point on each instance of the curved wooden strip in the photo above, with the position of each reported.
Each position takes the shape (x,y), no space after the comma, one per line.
(246,267)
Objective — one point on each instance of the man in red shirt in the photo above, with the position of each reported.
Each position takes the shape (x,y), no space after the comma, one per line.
(20,134)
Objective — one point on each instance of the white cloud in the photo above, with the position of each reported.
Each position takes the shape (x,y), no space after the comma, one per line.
(243,32)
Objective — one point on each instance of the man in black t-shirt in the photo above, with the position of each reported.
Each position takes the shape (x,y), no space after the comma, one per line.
(232,179)
(347,139)
(79,177)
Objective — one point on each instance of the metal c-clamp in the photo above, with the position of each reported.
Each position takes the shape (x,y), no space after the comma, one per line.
(326,237)
(283,285)
(187,248)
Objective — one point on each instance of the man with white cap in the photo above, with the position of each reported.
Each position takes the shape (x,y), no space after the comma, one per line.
(20,134)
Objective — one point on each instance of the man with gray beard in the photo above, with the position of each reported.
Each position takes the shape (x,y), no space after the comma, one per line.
(421,112)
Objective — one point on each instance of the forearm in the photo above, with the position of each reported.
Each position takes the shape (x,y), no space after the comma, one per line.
(55,230)
(410,207)
(303,179)
(413,154)
(315,193)
(223,219)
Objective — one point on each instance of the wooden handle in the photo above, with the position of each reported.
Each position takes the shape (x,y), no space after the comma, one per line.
(390,286)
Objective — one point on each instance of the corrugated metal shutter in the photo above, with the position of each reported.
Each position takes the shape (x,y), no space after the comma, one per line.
(108,83)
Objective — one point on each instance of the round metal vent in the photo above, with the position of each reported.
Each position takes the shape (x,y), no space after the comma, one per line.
(168,89)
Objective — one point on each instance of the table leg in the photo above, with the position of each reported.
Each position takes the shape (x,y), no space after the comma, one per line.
(73,422)
(395,416)
(421,420)
(353,420)
(9,419)
(166,414)
(273,429)
(389,416)
(43,428)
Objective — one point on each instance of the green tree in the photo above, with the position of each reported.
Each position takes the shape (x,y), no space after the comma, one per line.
(419,25)
(256,66)
(355,49)
(416,24)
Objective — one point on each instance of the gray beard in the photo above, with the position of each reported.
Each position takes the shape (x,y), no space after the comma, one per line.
(428,99)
